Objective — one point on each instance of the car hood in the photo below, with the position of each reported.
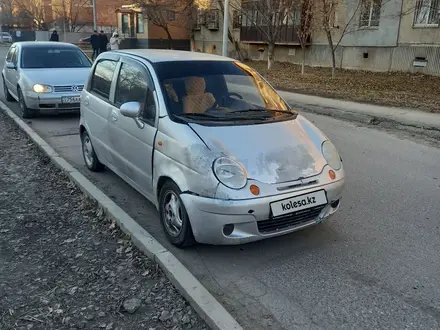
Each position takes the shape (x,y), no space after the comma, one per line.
(271,152)
(57,77)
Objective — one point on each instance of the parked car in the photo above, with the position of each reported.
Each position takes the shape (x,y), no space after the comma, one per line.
(45,76)
(210,143)
(5,37)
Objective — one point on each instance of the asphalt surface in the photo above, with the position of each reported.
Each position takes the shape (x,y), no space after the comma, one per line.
(374,265)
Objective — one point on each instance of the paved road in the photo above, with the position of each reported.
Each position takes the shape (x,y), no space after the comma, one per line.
(374,265)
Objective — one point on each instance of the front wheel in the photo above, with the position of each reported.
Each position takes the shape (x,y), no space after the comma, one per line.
(173,216)
(8,95)
(90,158)
(25,111)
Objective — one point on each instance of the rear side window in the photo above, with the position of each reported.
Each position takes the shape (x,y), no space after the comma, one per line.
(102,78)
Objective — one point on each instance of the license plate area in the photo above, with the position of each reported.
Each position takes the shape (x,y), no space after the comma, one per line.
(298,203)
(70,99)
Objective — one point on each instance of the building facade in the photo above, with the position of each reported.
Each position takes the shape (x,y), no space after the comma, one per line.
(387,35)
(140,32)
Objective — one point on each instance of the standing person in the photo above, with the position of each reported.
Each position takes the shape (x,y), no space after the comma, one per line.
(103,41)
(94,41)
(115,41)
(54,36)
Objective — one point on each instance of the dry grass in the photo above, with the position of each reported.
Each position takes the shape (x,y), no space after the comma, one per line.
(392,89)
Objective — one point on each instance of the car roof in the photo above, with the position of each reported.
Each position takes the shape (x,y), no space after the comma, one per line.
(162,55)
(44,44)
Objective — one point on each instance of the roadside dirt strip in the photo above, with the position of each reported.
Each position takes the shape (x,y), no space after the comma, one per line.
(64,264)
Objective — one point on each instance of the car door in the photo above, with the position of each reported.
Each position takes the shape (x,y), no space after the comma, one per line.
(132,140)
(96,106)
(10,73)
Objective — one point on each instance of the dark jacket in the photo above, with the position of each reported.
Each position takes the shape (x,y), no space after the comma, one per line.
(94,41)
(103,41)
(54,36)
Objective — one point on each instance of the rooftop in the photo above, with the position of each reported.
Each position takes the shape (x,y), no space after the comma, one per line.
(161,55)
(44,44)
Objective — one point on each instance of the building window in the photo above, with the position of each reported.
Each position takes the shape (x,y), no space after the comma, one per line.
(370,13)
(427,12)
(139,23)
(125,23)
(212,19)
(236,19)
(171,16)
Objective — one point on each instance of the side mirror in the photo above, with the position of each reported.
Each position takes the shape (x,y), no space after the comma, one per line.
(10,65)
(130,109)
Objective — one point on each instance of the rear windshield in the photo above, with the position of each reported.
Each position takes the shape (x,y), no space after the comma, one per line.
(52,57)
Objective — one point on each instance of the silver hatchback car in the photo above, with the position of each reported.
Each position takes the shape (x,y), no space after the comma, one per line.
(45,76)
(210,143)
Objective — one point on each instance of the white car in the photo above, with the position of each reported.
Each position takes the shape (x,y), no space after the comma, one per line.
(45,76)
(5,37)
(210,143)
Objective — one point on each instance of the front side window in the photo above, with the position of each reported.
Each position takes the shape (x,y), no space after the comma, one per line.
(10,54)
(102,78)
(218,91)
(427,12)
(53,58)
(370,13)
(132,86)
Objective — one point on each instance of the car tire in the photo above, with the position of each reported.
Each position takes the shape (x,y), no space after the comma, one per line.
(173,215)
(90,159)
(26,113)
(8,95)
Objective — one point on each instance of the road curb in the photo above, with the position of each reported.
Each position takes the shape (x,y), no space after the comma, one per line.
(209,309)
(413,120)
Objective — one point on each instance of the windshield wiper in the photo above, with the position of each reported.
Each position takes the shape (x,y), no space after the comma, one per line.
(262,110)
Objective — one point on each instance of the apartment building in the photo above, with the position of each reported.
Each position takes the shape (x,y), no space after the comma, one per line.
(387,35)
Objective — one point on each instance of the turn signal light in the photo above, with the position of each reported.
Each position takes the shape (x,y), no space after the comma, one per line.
(254,190)
(332,174)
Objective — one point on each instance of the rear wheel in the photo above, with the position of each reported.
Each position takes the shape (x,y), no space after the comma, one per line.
(90,158)
(8,95)
(25,111)
(173,216)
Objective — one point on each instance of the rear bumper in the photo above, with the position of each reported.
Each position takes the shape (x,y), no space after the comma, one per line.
(51,101)
(251,218)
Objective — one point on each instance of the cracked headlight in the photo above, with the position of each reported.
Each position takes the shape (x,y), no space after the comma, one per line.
(331,155)
(230,173)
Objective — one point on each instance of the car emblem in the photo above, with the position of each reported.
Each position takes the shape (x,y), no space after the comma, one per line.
(75,88)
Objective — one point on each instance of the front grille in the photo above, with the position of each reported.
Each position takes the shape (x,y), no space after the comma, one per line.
(289,220)
(68,88)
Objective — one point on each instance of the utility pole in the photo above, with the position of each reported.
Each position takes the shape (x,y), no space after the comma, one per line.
(95,20)
(225,28)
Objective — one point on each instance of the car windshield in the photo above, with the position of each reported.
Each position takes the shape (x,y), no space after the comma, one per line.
(53,57)
(218,91)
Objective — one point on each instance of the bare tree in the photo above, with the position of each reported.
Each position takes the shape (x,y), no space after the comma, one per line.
(32,10)
(268,17)
(167,13)
(75,14)
(304,29)
(362,14)
(6,12)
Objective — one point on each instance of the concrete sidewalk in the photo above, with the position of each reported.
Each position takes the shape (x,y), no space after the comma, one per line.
(364,112)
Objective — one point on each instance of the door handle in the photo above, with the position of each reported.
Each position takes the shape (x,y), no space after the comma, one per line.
(114,115)
(86,100)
